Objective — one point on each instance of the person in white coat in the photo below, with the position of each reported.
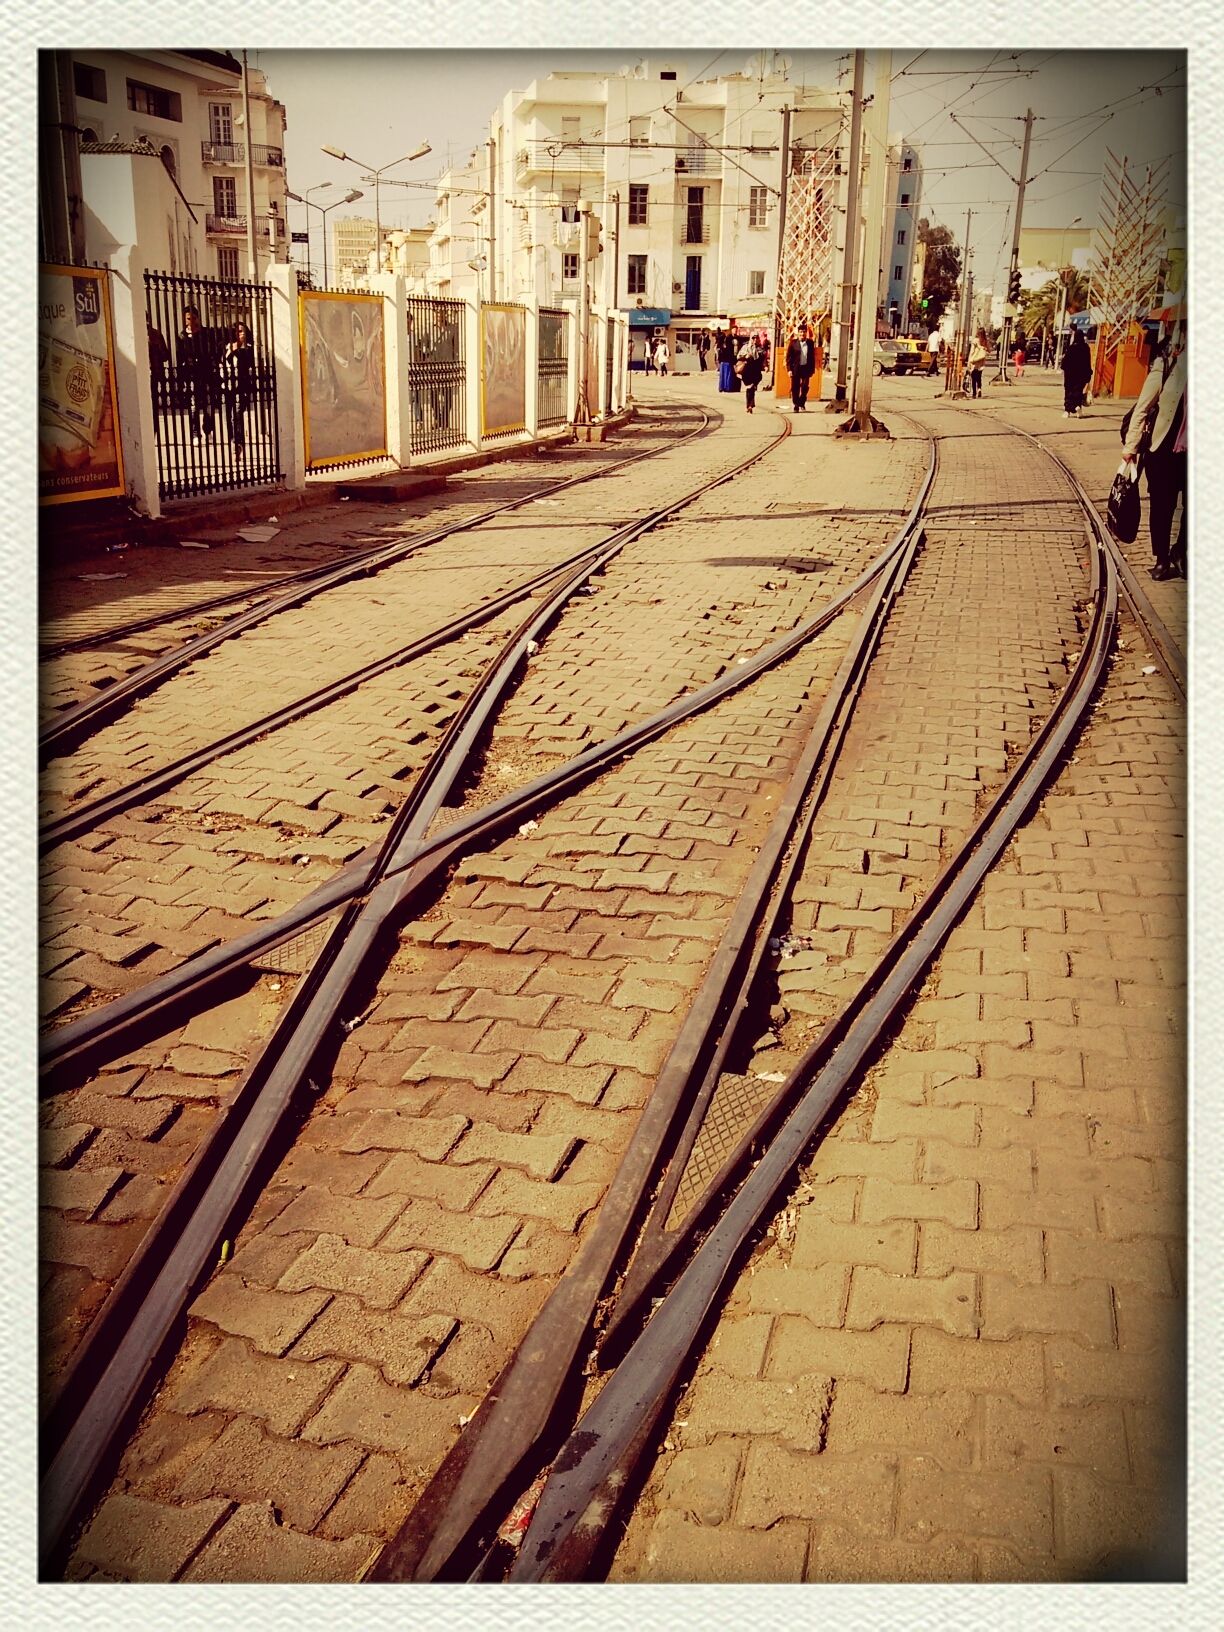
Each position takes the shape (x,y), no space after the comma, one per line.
(1159,420)
(662,357)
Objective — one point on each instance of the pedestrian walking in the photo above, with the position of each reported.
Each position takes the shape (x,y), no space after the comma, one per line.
(703,350)
(801,365)
(196,374)
(1076,371)
(662,357)
(728,379)
(1156,438)
(932,346)
(978,353)
(750,368)
(649,359)
(1018,359)
(237,370)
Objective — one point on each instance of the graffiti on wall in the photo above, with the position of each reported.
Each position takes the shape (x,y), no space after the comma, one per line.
(79,454)
(503,369)
(344,406)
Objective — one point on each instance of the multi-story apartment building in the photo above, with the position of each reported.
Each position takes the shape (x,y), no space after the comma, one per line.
(899,266)
(353,238)
(185,107)
(684,177)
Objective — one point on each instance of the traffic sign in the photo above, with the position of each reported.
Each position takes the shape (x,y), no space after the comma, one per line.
(300,237)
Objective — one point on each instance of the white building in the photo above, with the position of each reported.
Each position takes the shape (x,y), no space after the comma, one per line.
(683,176)
(184,109)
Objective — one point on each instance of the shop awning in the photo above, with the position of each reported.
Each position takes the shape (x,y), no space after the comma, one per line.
(647,317)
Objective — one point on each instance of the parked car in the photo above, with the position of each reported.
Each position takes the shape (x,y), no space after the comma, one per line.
(891,357)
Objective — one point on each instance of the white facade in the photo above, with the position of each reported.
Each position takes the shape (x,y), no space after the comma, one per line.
(190,111)
(683,177)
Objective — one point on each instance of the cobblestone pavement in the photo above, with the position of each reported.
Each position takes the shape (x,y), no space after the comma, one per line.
(475,1117)
(950,1357)
(958,1352)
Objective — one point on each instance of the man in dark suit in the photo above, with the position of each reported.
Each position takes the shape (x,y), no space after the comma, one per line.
(801,365)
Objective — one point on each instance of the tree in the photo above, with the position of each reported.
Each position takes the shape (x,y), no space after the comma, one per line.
(941,270)
(1041,306)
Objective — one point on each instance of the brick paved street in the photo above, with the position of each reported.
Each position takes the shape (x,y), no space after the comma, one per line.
(953,1354)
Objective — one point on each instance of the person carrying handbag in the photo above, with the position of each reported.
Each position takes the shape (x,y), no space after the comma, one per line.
(977,357)
(1156,439)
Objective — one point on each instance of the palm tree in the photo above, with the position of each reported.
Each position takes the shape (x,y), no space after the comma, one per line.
(1041,306)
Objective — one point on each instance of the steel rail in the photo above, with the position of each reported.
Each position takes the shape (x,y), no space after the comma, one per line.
(125,1021)
(118,1360)
(597,1461)
(507,1428)
(136,626)
(70,725)
(84,817)
(1163,642)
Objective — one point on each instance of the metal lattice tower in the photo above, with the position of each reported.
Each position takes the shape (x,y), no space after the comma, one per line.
(805,278)
(1124,274)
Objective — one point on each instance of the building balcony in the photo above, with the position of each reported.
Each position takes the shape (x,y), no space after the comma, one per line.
(691,233)
(272,158)
(551,156)
(226,226)
(223,152)
(699,161)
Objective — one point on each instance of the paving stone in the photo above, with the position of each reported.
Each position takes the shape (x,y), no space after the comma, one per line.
(365,1410)
(236,1378)
(402,1349)
(778,1483)
(298,1479)
(137,1540)
(379,1278)
(358,1220)
(271,1320)
(479,1242)
(430,1137)
(253,1547)
(684,1549)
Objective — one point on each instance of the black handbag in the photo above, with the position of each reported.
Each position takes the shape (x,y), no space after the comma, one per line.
(1122,513)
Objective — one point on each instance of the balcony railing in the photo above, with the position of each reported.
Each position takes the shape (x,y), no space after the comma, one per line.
(235,153)
(692,233)
(698,161)
(222,152)
(227,226)
(550,154)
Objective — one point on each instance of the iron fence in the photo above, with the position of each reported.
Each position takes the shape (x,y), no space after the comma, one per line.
(214,398)
(552,369)
(437,373)
(609,364)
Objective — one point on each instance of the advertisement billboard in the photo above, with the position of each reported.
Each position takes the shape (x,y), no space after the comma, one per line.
(344,406)
(79,452)
(503,369)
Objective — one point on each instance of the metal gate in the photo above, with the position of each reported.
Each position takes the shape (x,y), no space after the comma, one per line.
(609,365)
(552,368)
(437,373)
(214,390)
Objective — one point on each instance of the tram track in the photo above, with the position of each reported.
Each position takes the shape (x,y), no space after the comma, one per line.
(121,1330)
(513,1435)
(71,725)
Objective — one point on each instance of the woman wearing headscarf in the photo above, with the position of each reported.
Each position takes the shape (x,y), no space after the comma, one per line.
(1077,371)
(1158,423)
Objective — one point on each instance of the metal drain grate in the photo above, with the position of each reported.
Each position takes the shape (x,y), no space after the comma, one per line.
(295,956)
(735,1106)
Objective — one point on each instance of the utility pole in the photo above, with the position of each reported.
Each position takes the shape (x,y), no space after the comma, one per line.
(252,266)
(951,386)
(615,201)
(582,412)
(846,303)
(875,145)
(779,350)
(492,220)
(1013,265)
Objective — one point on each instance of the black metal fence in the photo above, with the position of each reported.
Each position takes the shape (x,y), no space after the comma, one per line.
(214,389)
(552,376)
(437,373)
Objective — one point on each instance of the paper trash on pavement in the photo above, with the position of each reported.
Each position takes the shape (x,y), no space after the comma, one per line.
(258,535)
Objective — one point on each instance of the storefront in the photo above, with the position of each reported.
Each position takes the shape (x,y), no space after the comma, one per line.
(646,324)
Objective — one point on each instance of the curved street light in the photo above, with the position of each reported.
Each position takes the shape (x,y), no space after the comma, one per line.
(375,176)
(349,198)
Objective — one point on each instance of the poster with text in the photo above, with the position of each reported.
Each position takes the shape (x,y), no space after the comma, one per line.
(79,455)
(503,369)
(344,406)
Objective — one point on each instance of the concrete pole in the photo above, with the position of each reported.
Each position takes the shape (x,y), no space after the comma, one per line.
(398,398)
(582,413)
(133,398)
(1013,264)
(287,360)
(252,263)
(846,304)
(875,145)
(781,389)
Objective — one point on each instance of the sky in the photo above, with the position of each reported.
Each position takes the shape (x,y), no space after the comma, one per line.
(381,104)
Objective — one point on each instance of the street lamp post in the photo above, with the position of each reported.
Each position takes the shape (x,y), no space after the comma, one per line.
(376,176)
(349,198)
